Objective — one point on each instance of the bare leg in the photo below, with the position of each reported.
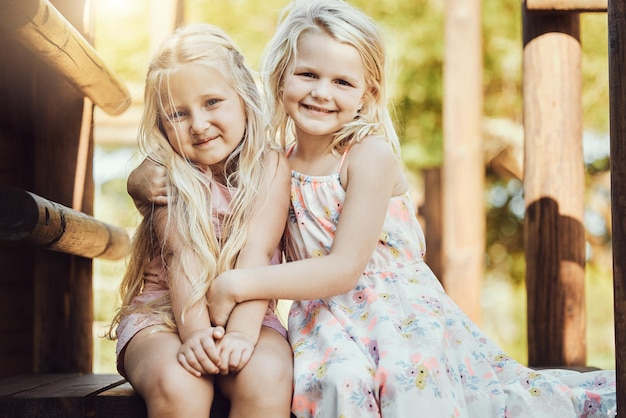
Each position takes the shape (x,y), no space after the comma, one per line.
(168,389)
(263,388)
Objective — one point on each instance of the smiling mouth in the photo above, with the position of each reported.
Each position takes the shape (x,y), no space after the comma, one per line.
(203,141)
(317,109)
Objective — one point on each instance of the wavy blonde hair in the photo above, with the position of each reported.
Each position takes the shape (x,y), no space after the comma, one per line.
(345,24)
(189,210)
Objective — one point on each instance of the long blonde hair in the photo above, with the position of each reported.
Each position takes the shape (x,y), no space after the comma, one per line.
(345,24)
(190,208)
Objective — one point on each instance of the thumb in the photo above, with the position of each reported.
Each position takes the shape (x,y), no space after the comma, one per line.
(218,332)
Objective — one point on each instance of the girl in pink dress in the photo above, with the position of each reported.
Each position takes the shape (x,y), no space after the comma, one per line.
(228,194)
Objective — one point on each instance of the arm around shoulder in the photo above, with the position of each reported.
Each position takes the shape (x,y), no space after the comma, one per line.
(270,212)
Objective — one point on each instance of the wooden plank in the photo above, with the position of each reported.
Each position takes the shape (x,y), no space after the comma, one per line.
(617,109)
(28,218)
(53,396)
(120,402)
(567,5)
(554,185)
(40,27)
(16,384)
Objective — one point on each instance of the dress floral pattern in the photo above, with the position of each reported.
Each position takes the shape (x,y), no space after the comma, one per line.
(397,346)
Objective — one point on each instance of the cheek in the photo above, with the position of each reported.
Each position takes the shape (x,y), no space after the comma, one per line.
(291,90)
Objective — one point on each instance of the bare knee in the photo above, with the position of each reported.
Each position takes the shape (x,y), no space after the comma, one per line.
(169,390)
(265,382)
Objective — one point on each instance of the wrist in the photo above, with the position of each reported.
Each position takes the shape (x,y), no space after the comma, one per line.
(244,335)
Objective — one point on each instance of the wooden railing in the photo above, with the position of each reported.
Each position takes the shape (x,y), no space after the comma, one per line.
(31,219)
(39,26)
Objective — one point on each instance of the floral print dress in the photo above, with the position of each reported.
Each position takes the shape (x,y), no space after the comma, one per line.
(397,346)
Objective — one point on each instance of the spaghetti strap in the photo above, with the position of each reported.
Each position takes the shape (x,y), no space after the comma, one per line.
(343,157)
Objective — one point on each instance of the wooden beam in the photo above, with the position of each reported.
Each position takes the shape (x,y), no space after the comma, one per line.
(28,218)
(554,184)
(567,5)
(617,110)
(40,27)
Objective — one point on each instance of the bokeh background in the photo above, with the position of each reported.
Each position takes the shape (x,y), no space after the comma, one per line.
(126,32)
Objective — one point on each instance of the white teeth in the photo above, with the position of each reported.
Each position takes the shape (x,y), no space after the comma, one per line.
(318,109)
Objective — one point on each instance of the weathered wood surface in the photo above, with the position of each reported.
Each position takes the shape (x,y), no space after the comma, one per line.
(567,5)
(28,218)
(41,28)
(617,104)
(554,189)
(54,395)
(77,396)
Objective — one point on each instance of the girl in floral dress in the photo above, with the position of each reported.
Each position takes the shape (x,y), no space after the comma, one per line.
(372,330)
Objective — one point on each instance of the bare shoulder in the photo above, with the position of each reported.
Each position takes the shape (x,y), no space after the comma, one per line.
(372,150)
(276,163)
(373,160)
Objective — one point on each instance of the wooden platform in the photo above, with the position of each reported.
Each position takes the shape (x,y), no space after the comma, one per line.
(76,396)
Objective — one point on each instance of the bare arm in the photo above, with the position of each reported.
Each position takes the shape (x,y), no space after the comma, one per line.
(265,231)
(373,175)
(193,324)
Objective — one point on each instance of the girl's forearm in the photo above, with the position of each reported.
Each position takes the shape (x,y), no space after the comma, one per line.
(312,278)
(247,318)
(194,319)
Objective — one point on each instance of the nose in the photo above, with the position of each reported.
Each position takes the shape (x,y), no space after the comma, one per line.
(199,123)
(321,91)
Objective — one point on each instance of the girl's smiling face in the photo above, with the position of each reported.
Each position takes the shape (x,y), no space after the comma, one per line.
(325,87)
(205,118)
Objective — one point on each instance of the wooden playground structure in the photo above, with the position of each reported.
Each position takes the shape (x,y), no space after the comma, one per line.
(51,78)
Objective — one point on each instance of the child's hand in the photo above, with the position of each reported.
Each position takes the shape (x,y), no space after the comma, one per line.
(199,354)
(235,351)
(221,301)
(147,184)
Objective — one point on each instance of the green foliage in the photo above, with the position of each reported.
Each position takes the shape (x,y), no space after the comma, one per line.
(122,37)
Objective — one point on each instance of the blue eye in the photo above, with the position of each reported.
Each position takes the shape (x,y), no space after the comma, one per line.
(211,102)
(176,116)
(344,83)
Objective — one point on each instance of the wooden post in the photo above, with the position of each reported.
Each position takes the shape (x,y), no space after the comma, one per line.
(617,104)
(39,26)
(28,218)
(463,169)
(433,219)
(554,189)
